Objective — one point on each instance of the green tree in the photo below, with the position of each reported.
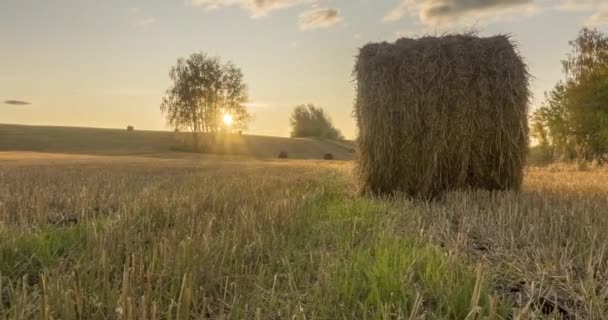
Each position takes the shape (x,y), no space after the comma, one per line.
(573,120)
(202,92)
(311,121)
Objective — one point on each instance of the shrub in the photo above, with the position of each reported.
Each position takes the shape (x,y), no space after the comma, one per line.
(283,155)
(328,156)
(130,128)
(308,121)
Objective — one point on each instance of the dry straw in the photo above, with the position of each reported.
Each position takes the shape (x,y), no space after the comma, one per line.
(441,113)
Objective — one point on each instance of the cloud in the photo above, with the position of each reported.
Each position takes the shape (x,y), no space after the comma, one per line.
(450,12)
(400,11)
(138,18)
(17,102)
(319,18)
(599,19)
(582,5)
(452,9)
(600,8)
(258,8)
(441,12)
(144,22)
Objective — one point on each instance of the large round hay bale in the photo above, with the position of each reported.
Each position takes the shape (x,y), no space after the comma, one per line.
(441,113)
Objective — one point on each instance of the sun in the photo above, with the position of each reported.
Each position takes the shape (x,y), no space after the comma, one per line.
(227,119)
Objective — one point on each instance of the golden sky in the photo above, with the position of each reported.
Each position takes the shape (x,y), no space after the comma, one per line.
(105,63)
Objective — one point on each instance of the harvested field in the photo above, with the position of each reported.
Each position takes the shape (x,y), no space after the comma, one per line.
(227,238)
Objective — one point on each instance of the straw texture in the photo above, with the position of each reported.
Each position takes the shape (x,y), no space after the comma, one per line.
(441,113)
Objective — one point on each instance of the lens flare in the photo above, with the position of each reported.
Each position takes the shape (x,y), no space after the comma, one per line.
(227,119)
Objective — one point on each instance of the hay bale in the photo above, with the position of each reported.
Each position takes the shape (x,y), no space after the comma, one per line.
(283,155)
(328,156)
(441,113)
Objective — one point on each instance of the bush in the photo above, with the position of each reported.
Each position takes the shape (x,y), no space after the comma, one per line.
(328,156)
(130,128)
(310,121)
(283,155)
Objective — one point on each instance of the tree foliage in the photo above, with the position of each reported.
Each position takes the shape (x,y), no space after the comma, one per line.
(573,120)
(203,90)
(311,121)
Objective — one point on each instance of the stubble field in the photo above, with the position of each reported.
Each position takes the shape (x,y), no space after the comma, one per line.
(106,237)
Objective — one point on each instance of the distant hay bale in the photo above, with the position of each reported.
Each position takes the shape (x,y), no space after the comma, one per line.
(283,155)
(441,113)
(328,156)
(130,128)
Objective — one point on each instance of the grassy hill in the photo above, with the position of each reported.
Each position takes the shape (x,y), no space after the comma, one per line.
(120,142)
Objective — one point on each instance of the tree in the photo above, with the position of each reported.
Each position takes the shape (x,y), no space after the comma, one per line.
(202,92)
(311,121)
(573,120)
(550,125)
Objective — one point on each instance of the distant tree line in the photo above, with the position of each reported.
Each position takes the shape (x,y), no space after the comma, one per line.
(311,121)
(572,123)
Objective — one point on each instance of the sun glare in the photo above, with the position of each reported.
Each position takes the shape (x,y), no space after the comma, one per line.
(227,119)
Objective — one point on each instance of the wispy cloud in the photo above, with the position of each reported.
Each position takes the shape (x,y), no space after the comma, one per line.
(400,11)
(442,12)
(143,22)
(582,5)
(451,12)
(257,8)
(319,18)
(132,10)
(138,18)
(598,8)
(17,102)
(599,19)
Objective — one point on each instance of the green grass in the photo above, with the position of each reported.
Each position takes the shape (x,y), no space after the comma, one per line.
(379,274)
(31,254)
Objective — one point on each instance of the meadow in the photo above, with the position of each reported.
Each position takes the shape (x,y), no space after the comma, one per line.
(230,237)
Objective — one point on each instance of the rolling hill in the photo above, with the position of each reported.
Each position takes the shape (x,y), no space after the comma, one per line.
(76,140)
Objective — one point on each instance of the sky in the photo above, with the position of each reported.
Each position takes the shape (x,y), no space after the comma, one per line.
(105,63)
